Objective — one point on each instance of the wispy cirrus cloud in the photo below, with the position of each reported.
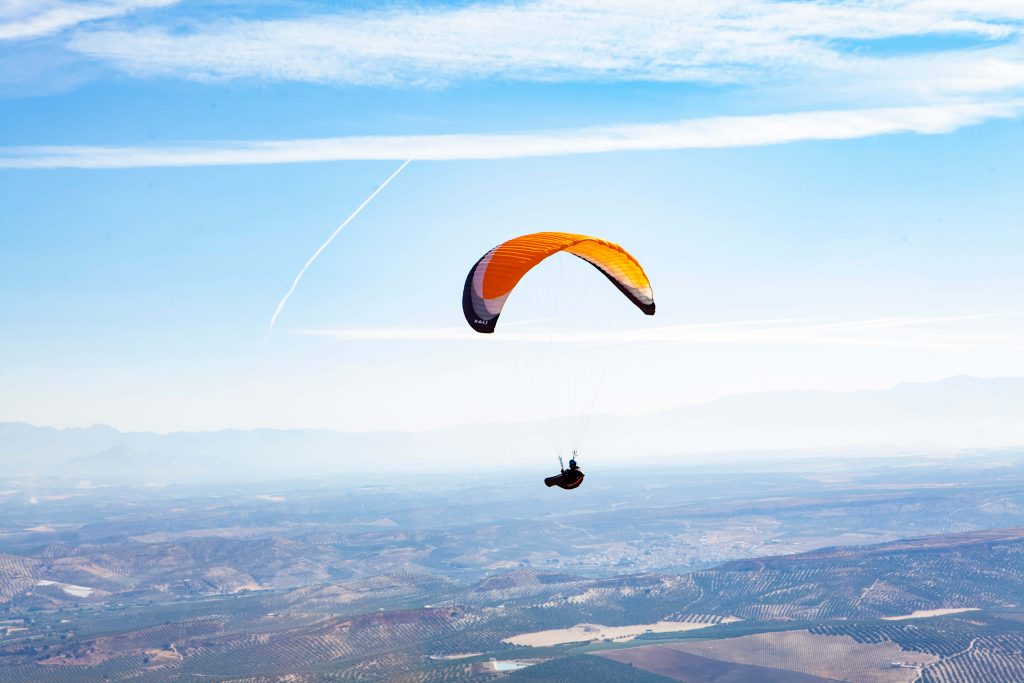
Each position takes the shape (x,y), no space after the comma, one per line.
(23,19)
(822,70)
(742,41)
(977,331)
(712,132)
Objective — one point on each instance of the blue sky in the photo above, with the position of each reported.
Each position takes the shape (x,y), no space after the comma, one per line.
(825,195)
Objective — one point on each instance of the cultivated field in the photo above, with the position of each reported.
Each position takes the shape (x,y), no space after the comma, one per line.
(837,657)
(590,632)
(683,666)
(925,613)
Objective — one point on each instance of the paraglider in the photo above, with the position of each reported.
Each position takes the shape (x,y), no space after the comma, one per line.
(492,278)
(569,478)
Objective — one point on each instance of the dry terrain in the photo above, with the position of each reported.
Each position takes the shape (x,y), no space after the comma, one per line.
(835,657)
(590,632)
(683,666)
(925,613)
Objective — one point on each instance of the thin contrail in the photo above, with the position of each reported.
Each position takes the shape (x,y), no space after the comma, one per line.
(295,282)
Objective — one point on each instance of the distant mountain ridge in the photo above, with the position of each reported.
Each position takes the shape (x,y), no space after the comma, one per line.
(959,412)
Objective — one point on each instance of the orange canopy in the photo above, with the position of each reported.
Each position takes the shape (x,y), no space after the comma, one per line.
(497,273)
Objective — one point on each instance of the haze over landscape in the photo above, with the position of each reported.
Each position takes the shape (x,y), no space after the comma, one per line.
(960,413)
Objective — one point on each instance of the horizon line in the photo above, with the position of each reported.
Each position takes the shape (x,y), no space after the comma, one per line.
(334,430)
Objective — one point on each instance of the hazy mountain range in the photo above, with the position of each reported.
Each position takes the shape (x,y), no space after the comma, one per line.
(959,412)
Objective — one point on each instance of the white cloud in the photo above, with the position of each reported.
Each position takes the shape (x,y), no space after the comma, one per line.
(547,40)
(921,78)
(946,332)
(21,19)
(802,56)
(713,132)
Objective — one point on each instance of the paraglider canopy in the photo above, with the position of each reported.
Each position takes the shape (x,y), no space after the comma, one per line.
(496,274)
